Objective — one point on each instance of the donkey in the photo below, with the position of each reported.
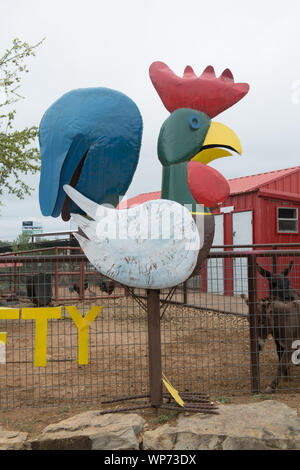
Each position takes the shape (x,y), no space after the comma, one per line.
(282,321)
(279,289)
(279,284)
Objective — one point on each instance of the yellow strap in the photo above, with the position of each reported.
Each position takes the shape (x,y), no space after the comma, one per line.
(201,213)
(172,390)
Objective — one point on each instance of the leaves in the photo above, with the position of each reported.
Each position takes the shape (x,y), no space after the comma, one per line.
(22,242)
(18,155)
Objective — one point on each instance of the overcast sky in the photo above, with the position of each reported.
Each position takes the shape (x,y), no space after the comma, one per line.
(112,43)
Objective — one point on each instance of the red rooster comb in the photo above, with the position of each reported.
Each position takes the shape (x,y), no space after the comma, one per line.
(206,93)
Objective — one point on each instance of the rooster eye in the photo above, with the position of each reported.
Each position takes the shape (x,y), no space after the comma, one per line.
(194,121)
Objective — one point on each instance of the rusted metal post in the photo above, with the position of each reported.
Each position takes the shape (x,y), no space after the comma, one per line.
(154,347)
(81,281)
(10,279)
(126,292)
(185,293)
(56,276)
(15,279)
(274,260)
(253,323)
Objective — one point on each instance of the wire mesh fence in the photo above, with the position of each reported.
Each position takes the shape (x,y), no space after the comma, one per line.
(211,338)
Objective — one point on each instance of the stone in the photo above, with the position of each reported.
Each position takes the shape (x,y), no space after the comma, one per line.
(92,431)
(161,438)
(267,425)
(13,440)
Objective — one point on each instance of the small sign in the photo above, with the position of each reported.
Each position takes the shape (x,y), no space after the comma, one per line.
(31,227)
(227,210)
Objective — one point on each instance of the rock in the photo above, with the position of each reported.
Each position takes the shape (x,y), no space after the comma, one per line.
(266,425)
(161,438)
(92,431)
(13,440)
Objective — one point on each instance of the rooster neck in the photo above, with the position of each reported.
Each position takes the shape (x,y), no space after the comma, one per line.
(175,185)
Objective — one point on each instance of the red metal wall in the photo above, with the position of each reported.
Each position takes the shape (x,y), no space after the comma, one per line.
(265,227)
(265,212)
(289,183)
(241,202)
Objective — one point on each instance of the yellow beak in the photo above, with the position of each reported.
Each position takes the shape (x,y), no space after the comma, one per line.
(220,142)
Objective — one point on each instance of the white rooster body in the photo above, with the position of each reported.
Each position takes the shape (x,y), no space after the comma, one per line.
(153,245)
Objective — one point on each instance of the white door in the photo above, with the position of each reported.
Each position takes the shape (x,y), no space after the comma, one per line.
(242,235)
(215,266)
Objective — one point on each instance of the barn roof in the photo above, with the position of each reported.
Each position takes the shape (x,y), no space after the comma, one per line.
(239,185)
(245,184)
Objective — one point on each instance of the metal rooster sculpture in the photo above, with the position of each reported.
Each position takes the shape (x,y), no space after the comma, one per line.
(90,142)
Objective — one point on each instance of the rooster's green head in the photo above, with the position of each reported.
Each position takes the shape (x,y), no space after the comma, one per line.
(189,139)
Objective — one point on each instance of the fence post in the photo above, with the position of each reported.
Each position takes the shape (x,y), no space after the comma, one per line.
(154,347)
(126,291)
(15,278)
(185,299)
(274,260)
(56,276)
(81,281)
(252,299)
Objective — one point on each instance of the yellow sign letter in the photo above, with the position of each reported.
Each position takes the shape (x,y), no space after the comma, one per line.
(9,313)
(6,314)
(83,324)
(41,316)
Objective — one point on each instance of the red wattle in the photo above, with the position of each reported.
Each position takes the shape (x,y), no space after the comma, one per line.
(206,184)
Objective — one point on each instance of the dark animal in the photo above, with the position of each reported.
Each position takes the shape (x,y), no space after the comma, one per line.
(75,287)
(280,289)
(282,321)
(107,286)
(39,289)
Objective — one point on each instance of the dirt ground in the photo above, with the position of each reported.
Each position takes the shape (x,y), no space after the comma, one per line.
(202,351)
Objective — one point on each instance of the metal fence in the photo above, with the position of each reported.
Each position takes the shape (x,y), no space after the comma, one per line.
(210,337)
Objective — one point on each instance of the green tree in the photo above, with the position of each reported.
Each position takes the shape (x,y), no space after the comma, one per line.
(18,154)
(23,242)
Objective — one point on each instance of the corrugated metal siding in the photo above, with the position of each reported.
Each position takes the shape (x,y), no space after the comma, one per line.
(265,210)
(240,202)
(265,225)
(252,182)
(266,222)
(289,183)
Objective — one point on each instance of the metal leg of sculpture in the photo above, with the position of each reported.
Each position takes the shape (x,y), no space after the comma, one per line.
(154,347)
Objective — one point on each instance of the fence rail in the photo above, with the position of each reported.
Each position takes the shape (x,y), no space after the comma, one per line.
(209,336)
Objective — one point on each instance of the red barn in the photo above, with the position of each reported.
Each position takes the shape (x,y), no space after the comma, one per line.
(272,200)
(262,208)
